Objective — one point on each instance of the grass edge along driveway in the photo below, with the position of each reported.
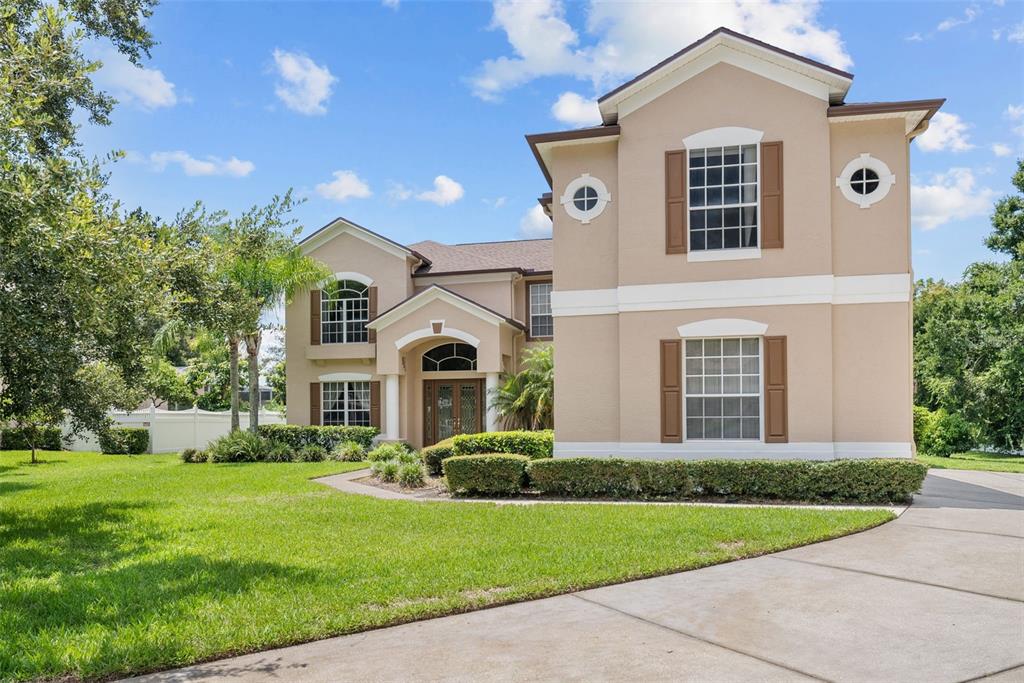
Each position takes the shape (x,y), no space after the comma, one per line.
(976,460)
(113,565)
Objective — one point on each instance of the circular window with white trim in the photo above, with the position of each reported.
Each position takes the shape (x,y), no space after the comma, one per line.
(865,180)
(585,198)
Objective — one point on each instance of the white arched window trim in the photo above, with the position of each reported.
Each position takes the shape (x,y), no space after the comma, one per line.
(348,275)
(345,377)
(723,327)
(426,332)
(723,137)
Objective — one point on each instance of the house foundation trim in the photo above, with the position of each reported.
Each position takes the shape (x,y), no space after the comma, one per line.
(733,450)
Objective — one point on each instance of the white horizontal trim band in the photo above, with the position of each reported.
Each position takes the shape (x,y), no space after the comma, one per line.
(734,450)
(771,291)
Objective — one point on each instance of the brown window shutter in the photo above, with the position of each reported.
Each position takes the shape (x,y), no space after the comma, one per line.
(776,418)
(314,317)
(675,202)
(375,404)
(771,195)
(314,403)
(371,335)
(671,390)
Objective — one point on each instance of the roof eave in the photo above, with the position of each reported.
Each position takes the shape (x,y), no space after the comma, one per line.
(541,143)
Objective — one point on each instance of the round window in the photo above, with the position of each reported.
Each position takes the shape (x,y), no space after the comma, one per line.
(585,198)
(865,180)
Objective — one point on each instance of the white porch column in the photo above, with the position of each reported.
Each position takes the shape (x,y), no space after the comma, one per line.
(490,385)
(391,408)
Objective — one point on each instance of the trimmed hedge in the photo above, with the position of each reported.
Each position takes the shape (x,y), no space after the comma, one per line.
(13,439)
(297,436)
(492,474)
(850,481)
(434,455)
(124,440)
(531,444)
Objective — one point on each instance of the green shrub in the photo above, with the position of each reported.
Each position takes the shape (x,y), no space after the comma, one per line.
(433,455)
(298,436)
(493,474)
(386,470)
(852,481)
(408,458)
(531,444)
(391,450)
(279,452)
(941,433)
(240,446)
(349,451)
(193,455)
(16,439)
(311,453)
(410,475)
(610,478)
(124,440)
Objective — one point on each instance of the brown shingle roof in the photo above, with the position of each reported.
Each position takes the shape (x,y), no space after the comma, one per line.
(526,256)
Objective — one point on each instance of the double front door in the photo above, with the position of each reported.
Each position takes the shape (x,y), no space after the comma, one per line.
(451,407)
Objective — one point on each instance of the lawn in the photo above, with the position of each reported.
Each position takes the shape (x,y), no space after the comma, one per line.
(976,460)
(111,565)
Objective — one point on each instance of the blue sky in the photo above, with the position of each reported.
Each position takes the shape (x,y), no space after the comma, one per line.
(408,117)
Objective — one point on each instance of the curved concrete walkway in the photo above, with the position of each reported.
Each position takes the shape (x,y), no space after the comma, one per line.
(937,595)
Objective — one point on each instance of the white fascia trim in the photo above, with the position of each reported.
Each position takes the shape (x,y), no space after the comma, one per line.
(427,332)
(739,254)
(765,63)
(424,298)
(732,450)
(912,119)
(773,291)
(345,377)
(342,227)
(723,327)
(723,137)
(469,279)
(347,275)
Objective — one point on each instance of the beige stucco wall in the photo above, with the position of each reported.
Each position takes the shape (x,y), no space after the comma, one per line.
(495,295)
(587,378)
(301,373)
(390,273)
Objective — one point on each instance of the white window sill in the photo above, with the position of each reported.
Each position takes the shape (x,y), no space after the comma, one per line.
(724,254)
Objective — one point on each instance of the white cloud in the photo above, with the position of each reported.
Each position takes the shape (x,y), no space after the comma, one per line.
(535,223)
(945,132)
(305,85)
(948,196)
(446,191)
(914,38)
(346,185)
(192,166)
(399,192)
(970,14)
(630,37)
(393,4)
(495,203)
(146,88)
(1001,150)
(575,110)
(1015,112)
(1016,33)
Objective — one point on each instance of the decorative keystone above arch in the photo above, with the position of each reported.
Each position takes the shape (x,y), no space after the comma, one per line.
(348,275)
(723,137)
(345,377)
(723,327)
(427,332)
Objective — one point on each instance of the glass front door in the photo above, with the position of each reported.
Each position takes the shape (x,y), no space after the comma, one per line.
(451,407)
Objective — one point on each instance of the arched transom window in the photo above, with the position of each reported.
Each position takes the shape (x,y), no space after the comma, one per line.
(344,312)
(450,357)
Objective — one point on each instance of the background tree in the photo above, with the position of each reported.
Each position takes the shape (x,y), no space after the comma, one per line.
(526,400)
(969,336)
(277,377)
(164,385)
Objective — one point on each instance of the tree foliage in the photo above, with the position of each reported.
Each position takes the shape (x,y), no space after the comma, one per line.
(526,399)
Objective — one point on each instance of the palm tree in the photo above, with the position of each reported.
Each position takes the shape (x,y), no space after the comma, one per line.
(526,400)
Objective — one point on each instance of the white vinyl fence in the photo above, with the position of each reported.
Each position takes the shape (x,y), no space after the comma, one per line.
(173,430)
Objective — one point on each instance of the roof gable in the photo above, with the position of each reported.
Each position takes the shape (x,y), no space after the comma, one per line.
(435,293)
(342,226)
(723,45)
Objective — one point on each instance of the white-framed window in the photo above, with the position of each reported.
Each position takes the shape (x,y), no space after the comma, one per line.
(865,180)
(344,312)
(585,198)
(541,322)
(449,357)
(723,388)
(723,197)
(345,403)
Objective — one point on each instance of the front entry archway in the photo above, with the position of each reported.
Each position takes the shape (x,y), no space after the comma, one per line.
(451,407)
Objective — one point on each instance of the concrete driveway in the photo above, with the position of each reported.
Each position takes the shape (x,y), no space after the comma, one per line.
(937,595)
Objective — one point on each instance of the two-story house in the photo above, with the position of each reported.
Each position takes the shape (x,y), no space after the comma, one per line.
(731,278)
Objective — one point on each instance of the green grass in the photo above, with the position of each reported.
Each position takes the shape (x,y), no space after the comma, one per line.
(976,460)
(111,565)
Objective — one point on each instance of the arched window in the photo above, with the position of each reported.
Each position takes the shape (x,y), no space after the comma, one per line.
(450,357)
(344,312)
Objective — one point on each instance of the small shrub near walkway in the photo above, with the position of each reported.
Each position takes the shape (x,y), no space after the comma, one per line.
(486,475)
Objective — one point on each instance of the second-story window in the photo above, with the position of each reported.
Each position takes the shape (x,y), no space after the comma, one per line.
(344,312)
(723,198)
(541,322)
